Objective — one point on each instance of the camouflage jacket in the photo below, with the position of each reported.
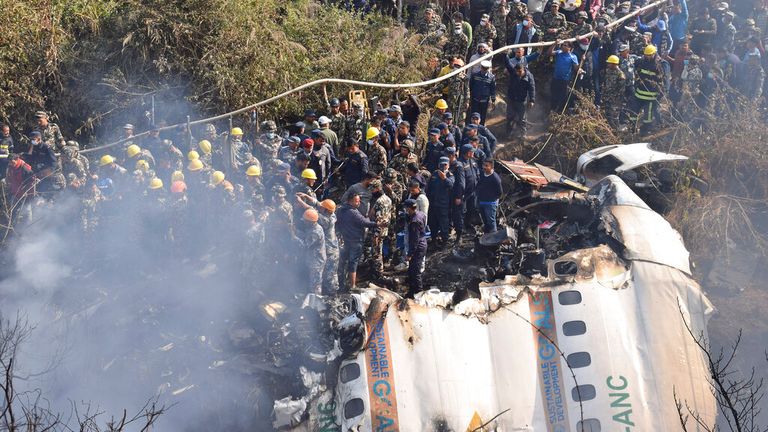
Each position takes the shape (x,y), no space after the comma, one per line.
(551,21)
(483,34)
(400,162)
(433,31)
(76,167)
(382,213)
(614,87)
(338,125)
(52,135)
(582,29)
(353,126)
(377,159)
(456,46)
(517,12)
(499,18)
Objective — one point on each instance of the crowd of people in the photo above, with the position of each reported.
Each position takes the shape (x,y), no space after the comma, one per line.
(354,186)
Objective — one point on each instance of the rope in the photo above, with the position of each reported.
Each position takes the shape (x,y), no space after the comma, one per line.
(326,81)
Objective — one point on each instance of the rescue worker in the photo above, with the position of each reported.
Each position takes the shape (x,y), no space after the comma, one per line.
(553,22)
(313,245)
(327,220)
(489,192)
(482,90)
(417,246)
(351,225)
(613,88)
(49,132)
(377,155)
(457,44)
(381,213)
(649,79)
(355,166)
(439,193)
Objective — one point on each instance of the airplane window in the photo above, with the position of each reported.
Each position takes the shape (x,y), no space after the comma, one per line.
(349,372)
(579,359)
(566,268)
(583,392)
(353,408)
(569,297)
(588,425)
(574,328)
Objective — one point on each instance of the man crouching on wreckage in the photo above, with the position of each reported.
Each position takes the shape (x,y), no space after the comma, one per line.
(573,316)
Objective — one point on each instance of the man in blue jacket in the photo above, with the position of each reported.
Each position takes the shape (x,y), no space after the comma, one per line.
(417,246)
(521,94)
(482,90)
(488,194)
(439,194)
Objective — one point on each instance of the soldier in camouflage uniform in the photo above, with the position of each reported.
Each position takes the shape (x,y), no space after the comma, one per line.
(431,28)
(517,13)
(485,32)
(72,166)
(381,213)
(553,23)
(499,14)
(268,145)
(50,131)
(338,121)
(377,156)
(613,88)
(582,27)
(457,44)
(355,126)
(401,160)
(458,95)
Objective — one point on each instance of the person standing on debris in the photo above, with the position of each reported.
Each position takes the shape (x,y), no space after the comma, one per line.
(566,65)
(377,154)
(361,189)
(482,90)
(6,148)
(439,193)
(313,244)
(649,80)
(483,131)
(457,44)
(467,161)
(355,166)
(351,225)
(488,193)
(417,246)
(521,94)
(457,192)
(50,132)
(381,213)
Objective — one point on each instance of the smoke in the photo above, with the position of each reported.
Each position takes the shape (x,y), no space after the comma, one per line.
(123,314)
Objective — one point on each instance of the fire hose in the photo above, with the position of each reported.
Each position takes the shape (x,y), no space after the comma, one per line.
(325,81)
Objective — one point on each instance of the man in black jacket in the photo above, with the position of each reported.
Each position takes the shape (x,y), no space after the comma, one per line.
(521,93)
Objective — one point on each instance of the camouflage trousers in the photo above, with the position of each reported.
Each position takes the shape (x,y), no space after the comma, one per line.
(330,272)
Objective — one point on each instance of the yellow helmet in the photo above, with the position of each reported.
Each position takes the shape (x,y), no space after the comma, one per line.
(217,177)
(372,132)
(205,146)
(441,104)
(253,171)
(195,165)
(649,50)
(192,155)
(106,160)
(612,59)
(142,165)
(133,150)
(309,174)
(236,131)
(155,183)
(177,176)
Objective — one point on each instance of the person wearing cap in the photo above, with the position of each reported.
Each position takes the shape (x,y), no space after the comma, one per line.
(417,245)
(42,159)
(127,135)
(393,120)
(657,35)
(482,146)
(484,33)
(726,32)
(289,150)
(499,12)
(457,192)
(446,137)
(331,138)
(566,66)
(355,166)
(439,195)
(483,131)
(521,95)
(268,144)
(50,132)
(338,122)
(482,90)
(406,156)
(430,27)
(167,159)
(471,172)
(434,149)
(649,80)
(322,157)
(381,212)
(582,27)
(310,119)
(613,90)
(355,126)
(518,11)
(525,32)
(489,191)
(351,225)
(678,22)
(553,22)
(403,134)
(457,44)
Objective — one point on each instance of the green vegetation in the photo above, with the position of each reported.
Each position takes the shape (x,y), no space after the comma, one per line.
(96,62)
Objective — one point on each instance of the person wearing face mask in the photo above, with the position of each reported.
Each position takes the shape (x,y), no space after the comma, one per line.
(457,44)
(726,32)
(484,33)
(499,13)
(518,11)
(482,49)
(525,32)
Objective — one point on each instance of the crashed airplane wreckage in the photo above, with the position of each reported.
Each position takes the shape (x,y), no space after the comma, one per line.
(579,325)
